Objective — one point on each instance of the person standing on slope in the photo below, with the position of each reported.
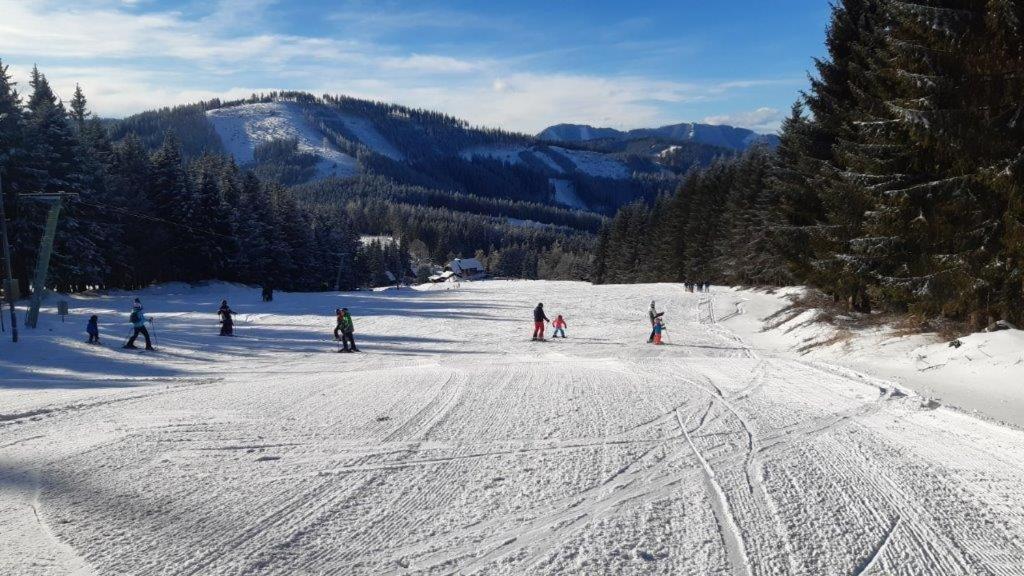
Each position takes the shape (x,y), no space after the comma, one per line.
(559,325)
(539,318)
(138,321)
(339,316)
(659,326)
(654,316)
(227,323)
(92,328)
(348,340)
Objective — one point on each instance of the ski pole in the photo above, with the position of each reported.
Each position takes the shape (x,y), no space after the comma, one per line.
(153,335)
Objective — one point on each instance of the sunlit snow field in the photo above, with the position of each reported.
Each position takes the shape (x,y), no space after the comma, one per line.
(453,443)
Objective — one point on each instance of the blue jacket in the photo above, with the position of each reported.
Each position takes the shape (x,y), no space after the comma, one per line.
(92,327)
(141,319)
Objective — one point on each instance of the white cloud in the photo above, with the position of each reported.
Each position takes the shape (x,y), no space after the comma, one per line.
(763,119)
(128,62)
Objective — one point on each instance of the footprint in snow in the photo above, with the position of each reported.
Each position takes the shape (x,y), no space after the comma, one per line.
(267,458)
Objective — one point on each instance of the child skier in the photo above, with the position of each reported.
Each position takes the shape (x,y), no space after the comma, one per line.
(659,327)
(227,323)
(93,329)
(339,317)
(559,325)
(653,315)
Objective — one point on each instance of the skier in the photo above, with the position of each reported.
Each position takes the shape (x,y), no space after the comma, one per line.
(340,317)
(654,316)
(348,340)
(93,329)
(539,318)
(227,323)
(559,325)
(138,320)
(268,292)
(659,326)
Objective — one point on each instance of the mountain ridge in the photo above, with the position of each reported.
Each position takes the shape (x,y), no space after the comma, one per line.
(721,135)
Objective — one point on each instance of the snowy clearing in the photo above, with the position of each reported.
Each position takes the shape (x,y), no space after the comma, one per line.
(585,161)
(565,193)
(453,444)
(244,126)
(366,132)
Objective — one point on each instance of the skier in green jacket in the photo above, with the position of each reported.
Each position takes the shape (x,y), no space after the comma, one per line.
(348,340)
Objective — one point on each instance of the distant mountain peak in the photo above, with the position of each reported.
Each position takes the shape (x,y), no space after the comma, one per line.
(713,134)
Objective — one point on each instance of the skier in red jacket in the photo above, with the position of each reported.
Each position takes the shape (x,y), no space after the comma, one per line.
(559,325)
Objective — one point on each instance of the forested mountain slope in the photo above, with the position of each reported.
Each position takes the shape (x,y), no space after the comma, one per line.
(295,137)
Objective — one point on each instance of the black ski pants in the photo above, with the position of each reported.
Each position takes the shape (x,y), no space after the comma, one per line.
(135,334)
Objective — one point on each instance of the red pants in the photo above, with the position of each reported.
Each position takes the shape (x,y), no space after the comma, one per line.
(538,329)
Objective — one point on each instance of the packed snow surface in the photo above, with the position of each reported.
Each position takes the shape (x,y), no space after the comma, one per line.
(241,128)
(454,444)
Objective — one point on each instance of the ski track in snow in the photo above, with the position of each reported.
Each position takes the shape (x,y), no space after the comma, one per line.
(453,444)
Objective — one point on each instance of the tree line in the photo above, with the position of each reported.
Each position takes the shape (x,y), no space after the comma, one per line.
(898,183)
(139,217)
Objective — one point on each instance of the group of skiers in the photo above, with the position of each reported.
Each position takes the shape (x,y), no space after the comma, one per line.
(698,286)
(344,330)
(539,318)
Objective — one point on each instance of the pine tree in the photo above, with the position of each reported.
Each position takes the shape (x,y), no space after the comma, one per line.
(79,112)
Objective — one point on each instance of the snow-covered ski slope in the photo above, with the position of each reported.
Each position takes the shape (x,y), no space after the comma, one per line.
(241,128)
(453,444)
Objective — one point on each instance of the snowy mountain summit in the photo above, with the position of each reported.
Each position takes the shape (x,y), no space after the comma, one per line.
(715,135)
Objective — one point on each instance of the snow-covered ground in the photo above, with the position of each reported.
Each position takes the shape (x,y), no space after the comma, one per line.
(454,444)
(984,375)
(595,163)
(585,161)
(244,126)
(565,193)
(365,131)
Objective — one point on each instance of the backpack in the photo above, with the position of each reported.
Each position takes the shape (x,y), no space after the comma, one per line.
(134,317)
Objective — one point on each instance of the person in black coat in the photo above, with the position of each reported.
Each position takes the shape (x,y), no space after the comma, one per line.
(539,318)
(227,323)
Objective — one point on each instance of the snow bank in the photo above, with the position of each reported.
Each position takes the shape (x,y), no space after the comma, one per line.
(985,375)
(241,128)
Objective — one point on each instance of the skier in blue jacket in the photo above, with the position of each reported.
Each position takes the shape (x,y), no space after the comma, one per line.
(138,320)
(92,328)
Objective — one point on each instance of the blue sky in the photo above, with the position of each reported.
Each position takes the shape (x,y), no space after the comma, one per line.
(519,65)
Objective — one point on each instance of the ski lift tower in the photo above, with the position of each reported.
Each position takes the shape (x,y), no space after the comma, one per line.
(55,200)
(9,281)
